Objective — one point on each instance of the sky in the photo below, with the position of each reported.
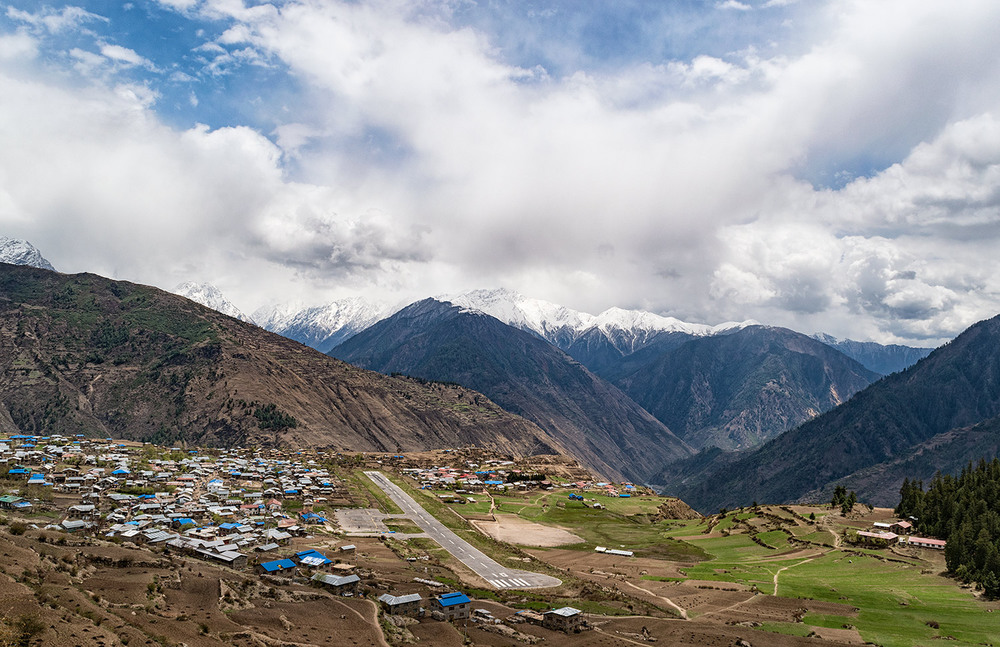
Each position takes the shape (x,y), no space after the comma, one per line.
(825,165)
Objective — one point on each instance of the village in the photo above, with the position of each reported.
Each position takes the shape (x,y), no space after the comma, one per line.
(258,512)
(308,523)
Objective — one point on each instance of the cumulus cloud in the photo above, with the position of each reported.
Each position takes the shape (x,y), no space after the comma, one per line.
(911,249)
(15,46)
(108,188)
(416,157)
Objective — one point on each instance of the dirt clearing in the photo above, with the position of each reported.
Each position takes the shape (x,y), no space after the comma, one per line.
(512,529)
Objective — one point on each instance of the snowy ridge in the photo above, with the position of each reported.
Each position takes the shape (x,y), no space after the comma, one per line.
(210,296)
(277,316)
(620,319)
(515,309)
(561,325)
(323,327)
(20,252)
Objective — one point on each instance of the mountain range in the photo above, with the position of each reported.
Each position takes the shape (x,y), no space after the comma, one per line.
(525,374)
(720,415)
(883,359)
(601,342)
(738,390)
(937,414)
(733,385)
(322,327)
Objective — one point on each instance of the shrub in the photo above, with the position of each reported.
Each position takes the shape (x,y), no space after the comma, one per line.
(27,627)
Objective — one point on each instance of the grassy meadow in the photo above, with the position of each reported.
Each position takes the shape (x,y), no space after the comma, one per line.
(901,601)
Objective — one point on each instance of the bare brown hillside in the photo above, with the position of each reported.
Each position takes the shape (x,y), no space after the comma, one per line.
(85,354)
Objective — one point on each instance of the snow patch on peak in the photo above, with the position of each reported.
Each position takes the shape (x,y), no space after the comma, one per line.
(277,315)
(828,339)
(356,312)
(20,252)
(561,325)
(514,309)
(640,320)
(324,326)
(621,319)
(210,296)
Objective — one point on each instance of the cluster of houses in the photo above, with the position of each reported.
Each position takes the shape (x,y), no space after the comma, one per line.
(227,508)
(457,606)
(221,508)
(501,476)
(896,532)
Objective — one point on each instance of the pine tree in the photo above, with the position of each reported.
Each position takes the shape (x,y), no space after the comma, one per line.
(839,496)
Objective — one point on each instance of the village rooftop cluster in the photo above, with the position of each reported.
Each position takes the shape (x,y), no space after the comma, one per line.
(235,511)
(220,507)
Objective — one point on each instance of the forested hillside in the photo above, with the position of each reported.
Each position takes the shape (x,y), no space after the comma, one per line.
(964,510)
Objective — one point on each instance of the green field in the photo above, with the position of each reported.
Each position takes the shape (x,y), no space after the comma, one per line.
(900,602)
(896,602)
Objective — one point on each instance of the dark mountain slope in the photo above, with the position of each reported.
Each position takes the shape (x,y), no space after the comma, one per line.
(880,358)
(735,391)
(596,350)
(947,453)
(592,419)
(84,354)
(958,385)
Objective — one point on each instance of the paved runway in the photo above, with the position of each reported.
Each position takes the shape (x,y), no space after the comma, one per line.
(496,574)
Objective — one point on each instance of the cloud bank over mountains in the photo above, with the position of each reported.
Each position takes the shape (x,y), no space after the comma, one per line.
(824,166)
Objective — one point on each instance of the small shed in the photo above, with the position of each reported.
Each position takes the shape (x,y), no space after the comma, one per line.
(401,605)
(341,584)
(902,527)
(565,619)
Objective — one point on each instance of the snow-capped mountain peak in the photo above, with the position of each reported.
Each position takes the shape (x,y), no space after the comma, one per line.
(621,319)
(562,326)
(210,296)
(277,315)
(20,252)
(515,309)
(324,326)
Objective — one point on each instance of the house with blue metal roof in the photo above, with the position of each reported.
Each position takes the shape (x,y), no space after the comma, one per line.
(276,567)
(453,606)
(312,517)
(312,558)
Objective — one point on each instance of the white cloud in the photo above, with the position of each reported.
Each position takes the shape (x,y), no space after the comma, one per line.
(235,35)
(53,21)
(110,189)
(87,63)
(911,249)
(17,46)
(291,138)
(424,162)
(125,56)
(179,5)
